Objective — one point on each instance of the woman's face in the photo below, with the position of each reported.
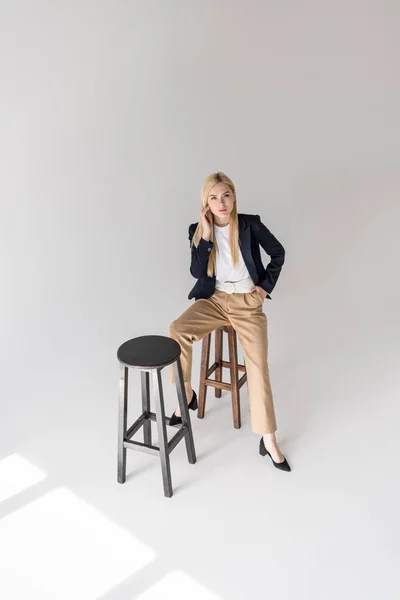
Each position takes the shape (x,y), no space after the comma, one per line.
(221,201)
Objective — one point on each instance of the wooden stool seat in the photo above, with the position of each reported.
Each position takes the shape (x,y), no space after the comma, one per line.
(206,371)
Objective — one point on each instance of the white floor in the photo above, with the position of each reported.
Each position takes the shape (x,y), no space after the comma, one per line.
(235,528)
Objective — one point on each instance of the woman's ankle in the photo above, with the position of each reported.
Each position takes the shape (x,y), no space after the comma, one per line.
(269,438)
(189,391)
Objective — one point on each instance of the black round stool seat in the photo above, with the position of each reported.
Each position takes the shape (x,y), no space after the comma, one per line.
(149,351)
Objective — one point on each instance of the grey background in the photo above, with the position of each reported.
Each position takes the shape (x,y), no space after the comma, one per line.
(112,114)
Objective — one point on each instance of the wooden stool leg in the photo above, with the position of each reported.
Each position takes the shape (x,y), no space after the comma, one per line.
(218,359)
(146,407)
(162,431)
(233,360)
(205,358)
(122,423)
(183,405)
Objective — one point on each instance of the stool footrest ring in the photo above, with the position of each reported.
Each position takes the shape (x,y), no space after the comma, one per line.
(154,450)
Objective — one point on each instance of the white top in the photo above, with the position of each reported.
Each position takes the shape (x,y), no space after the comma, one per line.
(225,270)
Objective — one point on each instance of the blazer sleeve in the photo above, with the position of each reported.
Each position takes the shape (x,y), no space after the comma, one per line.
(275,250)
(199,255)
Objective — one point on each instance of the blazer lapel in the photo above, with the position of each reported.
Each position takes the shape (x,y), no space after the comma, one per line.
(245,248)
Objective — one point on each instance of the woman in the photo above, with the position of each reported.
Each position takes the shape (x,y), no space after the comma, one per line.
(232,286)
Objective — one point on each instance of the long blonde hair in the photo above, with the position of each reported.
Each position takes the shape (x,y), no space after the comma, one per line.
(209,183)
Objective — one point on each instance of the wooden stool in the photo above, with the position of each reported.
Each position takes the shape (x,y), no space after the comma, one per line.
(205,371)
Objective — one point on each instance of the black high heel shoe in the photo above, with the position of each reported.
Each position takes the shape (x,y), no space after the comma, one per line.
(283,466)
(174,420)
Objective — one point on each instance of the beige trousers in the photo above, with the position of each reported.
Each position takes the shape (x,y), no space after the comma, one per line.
(244,312)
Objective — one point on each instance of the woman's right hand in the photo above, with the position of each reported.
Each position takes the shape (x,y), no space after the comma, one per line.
(205,223)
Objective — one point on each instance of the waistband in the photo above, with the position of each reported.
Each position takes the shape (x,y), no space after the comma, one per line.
(235,287)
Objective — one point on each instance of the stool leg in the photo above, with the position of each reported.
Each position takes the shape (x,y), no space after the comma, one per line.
(162,431)
(180,386)
(122,423)
(233,360)
(205,358)
(218,359)
(146,406)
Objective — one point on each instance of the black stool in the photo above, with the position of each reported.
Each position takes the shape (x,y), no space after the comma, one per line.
(150,354)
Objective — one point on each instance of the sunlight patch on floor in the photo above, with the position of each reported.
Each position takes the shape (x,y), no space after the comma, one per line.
(61,547)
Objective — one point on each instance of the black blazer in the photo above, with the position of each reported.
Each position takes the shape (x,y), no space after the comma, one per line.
(252,234)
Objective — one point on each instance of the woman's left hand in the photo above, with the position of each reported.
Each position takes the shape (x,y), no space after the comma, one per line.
(260,290)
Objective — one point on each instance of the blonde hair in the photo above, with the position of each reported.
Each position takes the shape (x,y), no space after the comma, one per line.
(209,183)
